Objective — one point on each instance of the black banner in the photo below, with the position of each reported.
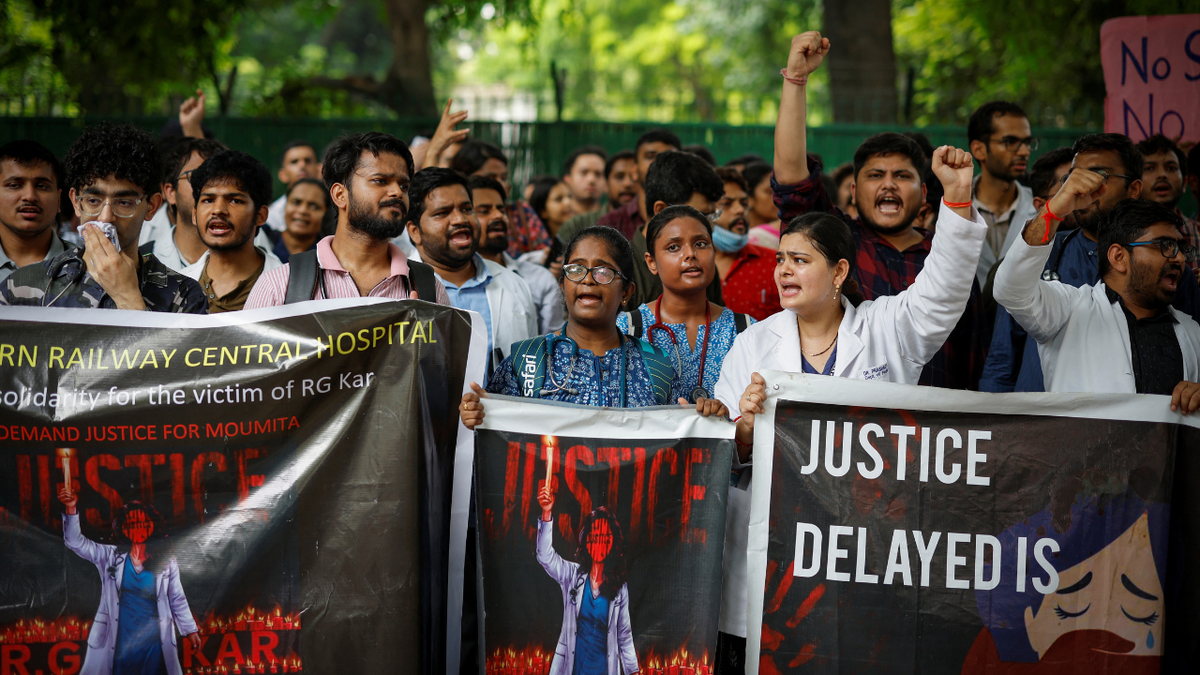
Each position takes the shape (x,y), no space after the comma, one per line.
(946,542)
(623,566)
(262,493)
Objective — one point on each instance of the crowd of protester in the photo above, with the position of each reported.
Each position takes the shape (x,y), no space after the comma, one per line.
(651,276)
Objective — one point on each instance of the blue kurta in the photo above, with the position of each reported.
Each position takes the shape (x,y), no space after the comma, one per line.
(596,378)
(139,651)
(591,633)
(685,356)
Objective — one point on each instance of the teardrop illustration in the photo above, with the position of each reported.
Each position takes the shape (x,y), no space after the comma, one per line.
(1149,639)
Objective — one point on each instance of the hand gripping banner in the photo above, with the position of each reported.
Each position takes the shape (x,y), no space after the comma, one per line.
(600,537)
(256,492)
(899,529)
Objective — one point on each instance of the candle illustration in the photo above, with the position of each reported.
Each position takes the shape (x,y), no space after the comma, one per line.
(64,456)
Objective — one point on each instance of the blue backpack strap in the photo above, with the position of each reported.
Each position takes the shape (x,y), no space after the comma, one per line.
(661,369)
(528,359)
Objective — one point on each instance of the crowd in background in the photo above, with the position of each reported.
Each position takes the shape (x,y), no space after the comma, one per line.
(653,276)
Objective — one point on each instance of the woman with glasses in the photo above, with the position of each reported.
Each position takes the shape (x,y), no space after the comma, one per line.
(588,361)
(694,332)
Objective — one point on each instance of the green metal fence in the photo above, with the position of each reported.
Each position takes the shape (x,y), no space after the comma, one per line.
(533,147)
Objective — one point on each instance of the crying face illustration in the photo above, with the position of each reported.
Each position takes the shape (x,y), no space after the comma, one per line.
(1117,590)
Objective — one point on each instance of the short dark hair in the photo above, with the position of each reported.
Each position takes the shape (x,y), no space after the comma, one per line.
(612,161)
(1041,174)
(981,124)
(120,150)
(832,238)
(1128,221)
(486,183)
(29,153)
(618,247)
(659,221)
(298,143)
(926,147)
(248,173)
(887,143)
(580,152)
(702,152)
(542,185)
(474,154)
(426,181)
(728,174)
(658,136)
(1131,159)
(844,171)
(748,158)
(754,173)
(177,150)
(675,176)
(1159,143)
(341,158)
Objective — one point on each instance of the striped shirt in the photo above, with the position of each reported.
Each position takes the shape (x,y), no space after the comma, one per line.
(271,289)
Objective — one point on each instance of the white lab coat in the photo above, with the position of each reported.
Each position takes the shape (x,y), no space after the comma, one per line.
(1083,338)
(1023,212)
(889,339)
(621,656)
(514,315)
(173,610)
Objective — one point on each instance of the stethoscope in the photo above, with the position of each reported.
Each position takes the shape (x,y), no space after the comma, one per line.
(57,269)
(1052,273)
(699,392)
(551,342)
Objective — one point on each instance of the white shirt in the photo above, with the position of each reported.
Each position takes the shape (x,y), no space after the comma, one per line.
(1019,213)
(889,339)
(1083,338)
(275,219)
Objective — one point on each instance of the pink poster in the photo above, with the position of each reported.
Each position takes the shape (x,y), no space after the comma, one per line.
(1152,74)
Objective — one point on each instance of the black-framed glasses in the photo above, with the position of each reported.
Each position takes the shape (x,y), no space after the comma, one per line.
(1012,143)
(601,274)
(1103,174)
(1169,247)
(186,175)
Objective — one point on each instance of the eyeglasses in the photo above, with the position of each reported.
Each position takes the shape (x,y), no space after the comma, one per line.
(715,216)
(1170,248)
(1012,143)
(186,175)
(601,274)
(1103,174)
(122,207)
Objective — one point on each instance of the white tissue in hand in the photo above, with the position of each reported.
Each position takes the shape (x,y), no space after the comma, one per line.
(108,229)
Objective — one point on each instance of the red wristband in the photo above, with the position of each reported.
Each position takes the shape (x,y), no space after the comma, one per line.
(798,81)
(956,205)
(1049,215)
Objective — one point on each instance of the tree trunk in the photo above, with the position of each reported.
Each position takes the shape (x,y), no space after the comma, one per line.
(408,86)
(862,61)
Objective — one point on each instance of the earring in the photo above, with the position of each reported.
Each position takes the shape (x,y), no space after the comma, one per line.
(837,289)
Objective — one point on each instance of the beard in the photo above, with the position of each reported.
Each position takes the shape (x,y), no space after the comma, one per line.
(1145,285)
(494,242)
(888,230)
(441,251)
(369,222)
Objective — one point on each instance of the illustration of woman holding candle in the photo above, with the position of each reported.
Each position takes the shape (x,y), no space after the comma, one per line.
(141,598)
(596,637)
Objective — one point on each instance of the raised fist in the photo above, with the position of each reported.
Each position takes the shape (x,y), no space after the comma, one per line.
(954,169)
(546,500)
(69,499)
(1081,189)
(807,53)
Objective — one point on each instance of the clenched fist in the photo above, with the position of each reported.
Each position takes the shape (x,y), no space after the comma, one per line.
(1081,189)
(954,168)
(807,53)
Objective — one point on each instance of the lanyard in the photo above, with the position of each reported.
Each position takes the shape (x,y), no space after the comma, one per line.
(699,391)
(551,343)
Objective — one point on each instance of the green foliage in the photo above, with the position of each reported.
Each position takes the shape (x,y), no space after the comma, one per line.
(661,60)
(1043,55)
